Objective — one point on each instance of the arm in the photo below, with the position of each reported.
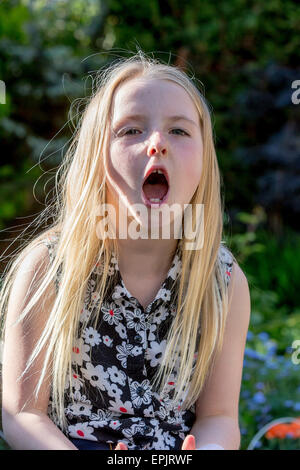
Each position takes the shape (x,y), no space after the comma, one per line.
(220,430)
(28,427)
(217,408)
(34,430)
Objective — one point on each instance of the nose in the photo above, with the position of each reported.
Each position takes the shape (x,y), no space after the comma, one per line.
(156,146)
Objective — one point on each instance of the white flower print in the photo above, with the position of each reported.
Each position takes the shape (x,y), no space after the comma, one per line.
(91,336)
(77,381)
(89,291)
(96,376)
(99,267)
(115,424)
(155,352)
(152,336)
(121,407)
(119,291)
(165,294)
(160,314)
(112,313)
(124,351)
(136,351)
(114,391)
(107,341)
(148,412)
(170,385)
(161,413)
(169,440)
(128,432)
(79,352)
(85,314)
(110,271)
(121,330)
(102,415)
(116,375)
(176,268)
(158,441)
(134,429)
(82,406)
(82,431)
(114,261)
(225,255)
(136,320)
(140,392)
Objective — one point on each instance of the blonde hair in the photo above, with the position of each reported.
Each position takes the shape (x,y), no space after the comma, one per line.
(202,297)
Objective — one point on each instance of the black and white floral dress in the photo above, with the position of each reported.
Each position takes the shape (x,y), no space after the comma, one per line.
(117,361)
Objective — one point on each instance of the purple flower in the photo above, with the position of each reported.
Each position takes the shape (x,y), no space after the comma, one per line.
(259,398)
(263,336)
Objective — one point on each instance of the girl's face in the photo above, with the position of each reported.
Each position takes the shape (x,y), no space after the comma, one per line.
(145,132)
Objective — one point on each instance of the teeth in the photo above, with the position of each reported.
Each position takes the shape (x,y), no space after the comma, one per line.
(154,199)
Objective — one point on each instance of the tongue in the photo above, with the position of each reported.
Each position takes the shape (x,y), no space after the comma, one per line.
(157,190)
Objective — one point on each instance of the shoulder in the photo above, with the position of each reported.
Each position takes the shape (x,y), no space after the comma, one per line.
(238,287)
(239,301)
(239,281)
(35,258)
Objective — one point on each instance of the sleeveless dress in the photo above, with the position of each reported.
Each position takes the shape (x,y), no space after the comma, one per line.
(116,362)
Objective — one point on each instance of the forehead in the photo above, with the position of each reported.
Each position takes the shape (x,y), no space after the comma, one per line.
(136,94)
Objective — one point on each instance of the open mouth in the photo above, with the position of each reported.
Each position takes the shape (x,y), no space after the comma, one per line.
(155,188)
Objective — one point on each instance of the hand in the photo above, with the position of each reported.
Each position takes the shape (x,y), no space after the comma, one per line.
(121,446)
(189,443)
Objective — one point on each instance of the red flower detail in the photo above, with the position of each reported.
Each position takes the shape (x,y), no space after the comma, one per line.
(80,433)
(123,410)
(76,350)
(111,312)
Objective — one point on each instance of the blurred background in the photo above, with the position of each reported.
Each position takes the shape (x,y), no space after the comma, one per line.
(245,56)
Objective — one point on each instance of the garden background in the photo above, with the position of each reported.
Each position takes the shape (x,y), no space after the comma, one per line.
(246,56)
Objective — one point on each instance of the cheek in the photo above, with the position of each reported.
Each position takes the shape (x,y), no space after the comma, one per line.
(123,164)
(192,167)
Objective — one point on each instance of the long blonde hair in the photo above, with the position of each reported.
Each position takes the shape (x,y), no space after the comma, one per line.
(202,295)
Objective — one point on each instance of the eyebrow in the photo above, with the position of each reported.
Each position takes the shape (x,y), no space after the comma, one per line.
(141,117)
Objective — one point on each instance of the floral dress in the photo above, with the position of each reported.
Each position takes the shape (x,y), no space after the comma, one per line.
(116,362)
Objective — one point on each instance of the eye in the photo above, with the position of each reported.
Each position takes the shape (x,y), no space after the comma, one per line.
(130,132)
(181,130)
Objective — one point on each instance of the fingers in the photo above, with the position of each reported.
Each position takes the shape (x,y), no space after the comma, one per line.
(189,443)
(121,446)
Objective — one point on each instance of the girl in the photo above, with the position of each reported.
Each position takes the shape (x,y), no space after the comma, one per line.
(129,342)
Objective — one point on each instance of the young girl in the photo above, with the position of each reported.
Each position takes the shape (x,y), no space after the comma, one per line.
(129,342)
